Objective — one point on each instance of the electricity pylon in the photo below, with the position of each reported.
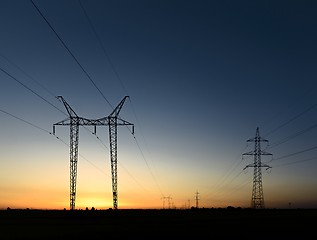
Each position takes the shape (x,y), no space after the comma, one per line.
(196,198)
(113,121)
(257,200)
(74,121)
(163,197)
(169,198)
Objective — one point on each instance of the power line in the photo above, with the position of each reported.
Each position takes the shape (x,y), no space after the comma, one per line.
(30,77)
(120,80)
(31,90)
(73,56)
(38,95)
(102,47)
(236,188)
(292,136)
(232,168)
(28,88)
(110,62)
(33,125)
(293,154)
(292,119)
(296,162)
(44,130)
(286,108)
(148,165)
(86,73)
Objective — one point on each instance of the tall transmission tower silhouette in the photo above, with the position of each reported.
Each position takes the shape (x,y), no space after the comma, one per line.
(74,121)
(257,200)
(113,120)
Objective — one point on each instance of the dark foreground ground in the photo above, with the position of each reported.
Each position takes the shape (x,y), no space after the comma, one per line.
(150,224)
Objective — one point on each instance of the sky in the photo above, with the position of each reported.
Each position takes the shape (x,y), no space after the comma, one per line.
(201,76)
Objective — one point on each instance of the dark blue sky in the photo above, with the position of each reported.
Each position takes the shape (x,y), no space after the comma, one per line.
(201,76)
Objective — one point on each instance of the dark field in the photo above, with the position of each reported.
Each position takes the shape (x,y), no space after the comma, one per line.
(150,224)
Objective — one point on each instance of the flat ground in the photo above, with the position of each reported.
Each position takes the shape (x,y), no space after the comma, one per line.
(150,224)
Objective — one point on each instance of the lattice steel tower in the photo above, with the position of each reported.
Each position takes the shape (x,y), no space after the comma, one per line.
(257,200)
(196,198)
(74,121)
(113,120)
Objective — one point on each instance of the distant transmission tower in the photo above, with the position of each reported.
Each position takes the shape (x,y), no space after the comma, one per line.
(257,200)
(169,201)
(74,122)
(163,197)
(197,198)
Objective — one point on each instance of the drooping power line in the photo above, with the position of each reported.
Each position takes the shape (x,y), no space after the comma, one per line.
(73,56)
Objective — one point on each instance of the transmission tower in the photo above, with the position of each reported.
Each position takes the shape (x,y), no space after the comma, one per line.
(113,121)
(74,121)
(197,198)
(257,200)
(163,197)
(169,201)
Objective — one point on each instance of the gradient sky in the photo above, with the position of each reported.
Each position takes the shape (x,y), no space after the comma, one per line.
(201,76)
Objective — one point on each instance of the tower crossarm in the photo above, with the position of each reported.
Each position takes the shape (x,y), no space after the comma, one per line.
(257,139)
(254,153)
(106,121)
(123,122)
(66,121)
(260,165)
(85,121)
(265,153)
(248,153)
